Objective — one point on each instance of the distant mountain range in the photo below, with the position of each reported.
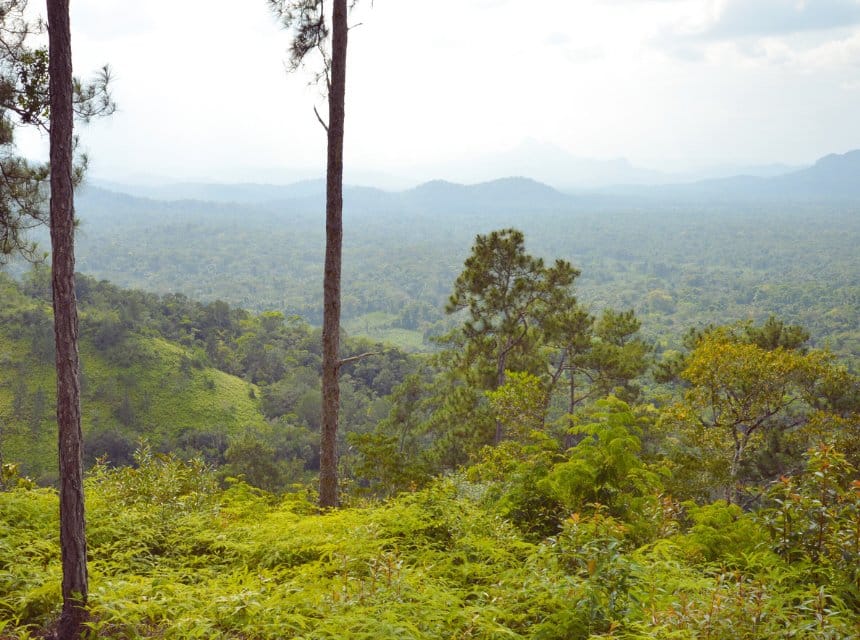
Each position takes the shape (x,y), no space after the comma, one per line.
(244,193)
(549,164)
(834,177)
(555,166)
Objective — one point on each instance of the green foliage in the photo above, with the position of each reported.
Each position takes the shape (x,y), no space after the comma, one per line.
(169,368)
(601,356)
(566,532)
(592,550)
(604,467)
(157,481)
(508,295)
(617,356)
(739,393)
(718,263)
(11,478)
(536,486)
(252,459)
(775,334)
(719,532)
(457,418)
(25,100)
(516,474)
(173,556)
(383,466)
(520,405)
(522,331)
(814,520)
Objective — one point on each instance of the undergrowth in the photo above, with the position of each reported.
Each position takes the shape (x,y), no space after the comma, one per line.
(174,556)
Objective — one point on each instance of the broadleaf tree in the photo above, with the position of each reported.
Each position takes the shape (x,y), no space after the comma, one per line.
(740,391)
(307,21)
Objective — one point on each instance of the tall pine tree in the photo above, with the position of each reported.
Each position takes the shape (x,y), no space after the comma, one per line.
(311,32)
(73,542)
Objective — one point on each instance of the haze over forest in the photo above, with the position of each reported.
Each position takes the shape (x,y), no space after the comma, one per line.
(625,239)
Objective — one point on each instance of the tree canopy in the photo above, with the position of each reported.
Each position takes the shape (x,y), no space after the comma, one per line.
(24,101)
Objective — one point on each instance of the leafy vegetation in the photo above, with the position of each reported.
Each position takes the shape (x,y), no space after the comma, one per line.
(172,556)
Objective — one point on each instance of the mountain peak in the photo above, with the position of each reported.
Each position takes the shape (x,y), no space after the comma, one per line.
(515,192)
(834,160)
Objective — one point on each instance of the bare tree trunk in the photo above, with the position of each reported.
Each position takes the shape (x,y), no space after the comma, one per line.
(73,542)
(334,240)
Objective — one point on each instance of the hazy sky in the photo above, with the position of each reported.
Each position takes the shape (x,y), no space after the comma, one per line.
(203,91)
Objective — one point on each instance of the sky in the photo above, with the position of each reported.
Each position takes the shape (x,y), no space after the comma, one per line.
(204,94)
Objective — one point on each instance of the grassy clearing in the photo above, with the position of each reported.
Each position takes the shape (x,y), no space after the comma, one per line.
(378,326)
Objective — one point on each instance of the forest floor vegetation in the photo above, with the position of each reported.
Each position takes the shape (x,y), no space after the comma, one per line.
(172,555)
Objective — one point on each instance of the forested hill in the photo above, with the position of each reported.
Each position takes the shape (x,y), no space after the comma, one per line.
(598,490)
(134,384)
(194,379)
(677,263)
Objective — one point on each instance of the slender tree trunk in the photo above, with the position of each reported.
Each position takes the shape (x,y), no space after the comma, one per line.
(73,543)
(334,240)
(732,493)
(568,438)
(500,381)
(571,403)
(2,436)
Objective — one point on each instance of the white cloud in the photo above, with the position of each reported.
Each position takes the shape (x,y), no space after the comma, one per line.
(202,89)
(844,52)
(744,18)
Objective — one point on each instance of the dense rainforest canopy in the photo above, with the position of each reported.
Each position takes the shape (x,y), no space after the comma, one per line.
(677,264)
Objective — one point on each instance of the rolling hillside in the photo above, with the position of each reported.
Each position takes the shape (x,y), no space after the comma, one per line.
(133,386)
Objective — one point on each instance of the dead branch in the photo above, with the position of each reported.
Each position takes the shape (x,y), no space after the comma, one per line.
(321,121)
(360,356)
